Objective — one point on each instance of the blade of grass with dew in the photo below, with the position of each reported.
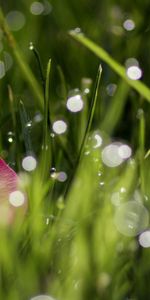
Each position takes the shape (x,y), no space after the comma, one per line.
(25,129)
(38,59)
(20,59)
(140,87)
(91,113)
(114,112)
(88,127)
(46,151)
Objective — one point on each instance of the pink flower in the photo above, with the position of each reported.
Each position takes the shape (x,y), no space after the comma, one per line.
(9,191)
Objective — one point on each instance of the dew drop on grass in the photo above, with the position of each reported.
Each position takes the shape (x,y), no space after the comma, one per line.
(37,8)
(76,31)
(47,7)
(16,198)
(129,25)
(134,72)
(125,151)
(29,124)
(111,89)
(75,103)
(16,20)
(111,157)
(38,117)
(116,199)
(62,176)
(10,137)
(29,163)
(115,154)
(144,239)
(131,218)
(31,47)
(98,141)
(132,61)
(59,127)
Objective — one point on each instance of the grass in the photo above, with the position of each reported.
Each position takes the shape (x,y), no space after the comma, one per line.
(66,245)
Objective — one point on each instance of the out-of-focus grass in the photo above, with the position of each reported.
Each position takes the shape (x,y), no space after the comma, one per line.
(67,245)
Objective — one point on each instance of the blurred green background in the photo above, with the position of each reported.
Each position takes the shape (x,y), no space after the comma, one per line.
(79,255)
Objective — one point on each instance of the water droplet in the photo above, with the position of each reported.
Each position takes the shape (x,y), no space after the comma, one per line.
(38,117)
(37,8)
(16,198)
(123,190)
(16,20)
(29,163)
(52,135)
(98,140)
(131,218)
(31,47)
(11,137)
(134,72)
(62,176)
(131,62)
(125,151)
(116,199)
(29,124)
(144,239)
(129,25)
(52,170)
(59,127)
(47,7)
(75,103)
(86,85)
(111,89)
(76,31)
(111,157)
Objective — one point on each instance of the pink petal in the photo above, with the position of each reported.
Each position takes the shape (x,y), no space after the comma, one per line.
(8,180)
(8,184)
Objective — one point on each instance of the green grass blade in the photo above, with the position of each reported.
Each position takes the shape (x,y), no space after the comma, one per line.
(140,87)
(20,59)
(91,112)
(25,129)
(46,151)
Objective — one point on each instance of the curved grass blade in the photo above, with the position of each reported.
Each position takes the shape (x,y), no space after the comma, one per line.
(91,113)
(25,129)
(88,127)
(140,87)
(46,153)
